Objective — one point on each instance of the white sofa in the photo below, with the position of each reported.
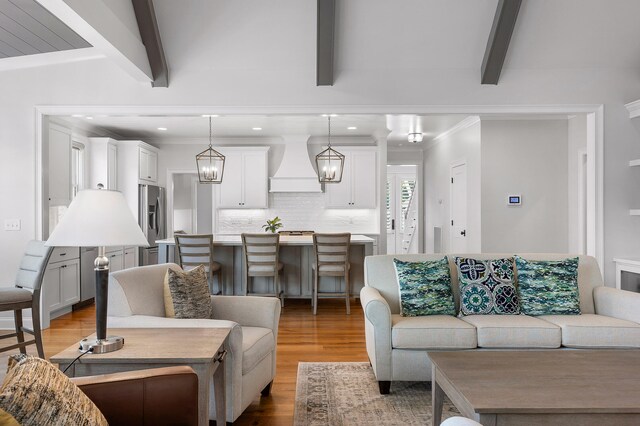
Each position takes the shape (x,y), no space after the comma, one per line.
(136,300)
(397,346)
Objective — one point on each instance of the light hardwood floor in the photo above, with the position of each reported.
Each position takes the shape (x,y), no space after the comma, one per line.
(332,335)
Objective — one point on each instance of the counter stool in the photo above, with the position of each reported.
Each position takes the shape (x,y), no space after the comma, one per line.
(26,295)
(195,250)
(261,252)
(331,260)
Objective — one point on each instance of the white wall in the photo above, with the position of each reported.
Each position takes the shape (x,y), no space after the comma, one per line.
(526,157)
(577,144)
(183,203)
(461,145)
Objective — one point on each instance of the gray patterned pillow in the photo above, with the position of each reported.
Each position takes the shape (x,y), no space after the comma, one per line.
(186,294)
(425,288)
(35,392)
(548,287)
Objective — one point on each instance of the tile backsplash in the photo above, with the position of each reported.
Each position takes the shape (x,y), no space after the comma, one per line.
(299,212)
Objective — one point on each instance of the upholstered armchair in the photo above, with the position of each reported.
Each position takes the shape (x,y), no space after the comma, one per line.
(136,299)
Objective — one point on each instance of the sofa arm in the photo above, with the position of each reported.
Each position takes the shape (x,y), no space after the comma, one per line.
(159,396)
(616,303)
(377,316)
(250,311)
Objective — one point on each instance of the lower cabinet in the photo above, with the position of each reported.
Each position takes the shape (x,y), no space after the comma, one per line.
(60,289)
(129,257)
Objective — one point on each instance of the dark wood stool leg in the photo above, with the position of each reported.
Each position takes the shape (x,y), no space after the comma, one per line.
(17,316)
(347,292)
(37,331)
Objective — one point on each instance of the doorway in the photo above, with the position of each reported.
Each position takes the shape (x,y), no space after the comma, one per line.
(189,204)
(402,201)
(458,234)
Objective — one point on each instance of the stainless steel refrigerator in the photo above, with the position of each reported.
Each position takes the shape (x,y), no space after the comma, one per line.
(152,219)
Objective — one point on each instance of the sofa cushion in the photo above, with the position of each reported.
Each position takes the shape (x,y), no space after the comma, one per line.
(548,287)
(257,343)
(487,287)
(596,331)
(514,331)
(186,294)
(34,392)
(425,288)
(431,332)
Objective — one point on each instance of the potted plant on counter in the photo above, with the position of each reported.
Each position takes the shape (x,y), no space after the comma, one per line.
(272,225)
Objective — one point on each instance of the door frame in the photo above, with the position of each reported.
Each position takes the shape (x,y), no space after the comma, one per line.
(419,163)
(595,141)
(453,165)
(417,199)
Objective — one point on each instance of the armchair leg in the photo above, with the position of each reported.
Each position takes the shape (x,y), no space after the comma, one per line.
(384,386)
(267,390)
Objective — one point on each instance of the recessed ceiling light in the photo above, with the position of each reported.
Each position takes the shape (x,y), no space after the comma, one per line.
(257,128)
(399,144)
(77,115)
(329,115)
(210,115)
(89,117)
(162,128)
(352,128)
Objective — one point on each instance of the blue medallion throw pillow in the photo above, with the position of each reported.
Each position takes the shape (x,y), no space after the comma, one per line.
(425,288)
(548,287)
(487,287)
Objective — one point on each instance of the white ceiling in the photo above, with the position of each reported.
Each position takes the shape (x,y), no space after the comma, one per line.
(182,129)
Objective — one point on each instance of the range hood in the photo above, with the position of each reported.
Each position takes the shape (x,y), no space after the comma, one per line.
(296,173)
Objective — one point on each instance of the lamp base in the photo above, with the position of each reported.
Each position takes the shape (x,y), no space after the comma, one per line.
(101,346)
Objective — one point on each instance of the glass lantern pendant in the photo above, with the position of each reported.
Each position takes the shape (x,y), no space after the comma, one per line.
(330,163)
(210,163)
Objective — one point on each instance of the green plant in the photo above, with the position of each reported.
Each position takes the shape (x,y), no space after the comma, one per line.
(272,225)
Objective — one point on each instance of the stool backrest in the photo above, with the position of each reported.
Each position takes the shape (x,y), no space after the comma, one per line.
(261,254)
(332,251)
(33,265)
(194,250)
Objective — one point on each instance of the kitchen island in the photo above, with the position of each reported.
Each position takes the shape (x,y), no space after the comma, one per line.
(296,253)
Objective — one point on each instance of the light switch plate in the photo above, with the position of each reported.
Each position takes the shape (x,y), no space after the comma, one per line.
(12,224)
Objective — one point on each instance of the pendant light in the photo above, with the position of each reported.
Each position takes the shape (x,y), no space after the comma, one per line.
(210,163)
(330,163)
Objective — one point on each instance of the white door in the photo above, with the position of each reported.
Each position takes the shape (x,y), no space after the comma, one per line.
(402,220)
(458,234)
(255,184)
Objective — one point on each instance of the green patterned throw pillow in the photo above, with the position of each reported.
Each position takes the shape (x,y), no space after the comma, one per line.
(548,287)
(487,287)
(425,288)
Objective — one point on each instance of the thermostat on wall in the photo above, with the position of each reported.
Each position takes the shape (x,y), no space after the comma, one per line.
(514,200)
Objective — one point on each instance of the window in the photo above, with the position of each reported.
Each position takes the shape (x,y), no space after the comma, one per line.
(77,168)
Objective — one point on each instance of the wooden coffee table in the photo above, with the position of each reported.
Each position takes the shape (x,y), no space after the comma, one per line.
(202,349)
(585,387)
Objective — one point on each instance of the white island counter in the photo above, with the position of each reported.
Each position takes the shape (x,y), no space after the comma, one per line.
(296,253)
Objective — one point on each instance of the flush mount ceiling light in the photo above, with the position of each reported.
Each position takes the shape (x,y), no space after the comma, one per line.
(210,163)
(330,162)
(256,128)
(414,137)
(352,128)
(162,128)
(210,115)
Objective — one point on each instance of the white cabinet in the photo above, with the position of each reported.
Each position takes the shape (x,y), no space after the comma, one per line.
(60,144)
(129,257)
(147,165)
(61,283)
(359,184)
(245,180)
(121,258)
(104,163)
(116,261)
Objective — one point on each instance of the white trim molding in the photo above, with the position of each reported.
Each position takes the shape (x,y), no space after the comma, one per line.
(633,108)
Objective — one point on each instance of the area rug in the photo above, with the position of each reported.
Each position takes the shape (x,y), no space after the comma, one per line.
(346,393)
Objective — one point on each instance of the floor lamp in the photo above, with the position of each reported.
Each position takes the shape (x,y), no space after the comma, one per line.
(99,218)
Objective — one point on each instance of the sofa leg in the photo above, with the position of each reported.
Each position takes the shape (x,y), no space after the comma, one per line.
(385,387)
(267,390)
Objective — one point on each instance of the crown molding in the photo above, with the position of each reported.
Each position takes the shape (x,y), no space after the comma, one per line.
(634,109)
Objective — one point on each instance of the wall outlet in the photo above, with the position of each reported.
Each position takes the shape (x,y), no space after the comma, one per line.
(12,224)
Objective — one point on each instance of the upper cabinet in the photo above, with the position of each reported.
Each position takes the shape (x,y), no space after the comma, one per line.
(60,144)
(245,180)
(104,163)
(147,165)
(358,187)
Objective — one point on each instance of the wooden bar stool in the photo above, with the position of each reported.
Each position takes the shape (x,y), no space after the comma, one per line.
(195,250)
(261,252)
(331,260)
(26,295)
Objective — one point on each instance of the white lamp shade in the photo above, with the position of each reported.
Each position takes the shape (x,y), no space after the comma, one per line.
(97,217)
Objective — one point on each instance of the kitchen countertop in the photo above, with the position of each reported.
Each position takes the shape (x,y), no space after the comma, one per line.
(285,240)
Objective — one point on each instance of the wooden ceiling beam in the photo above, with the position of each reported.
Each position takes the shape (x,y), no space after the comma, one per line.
(504,23)
(148,26)
(325,42)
